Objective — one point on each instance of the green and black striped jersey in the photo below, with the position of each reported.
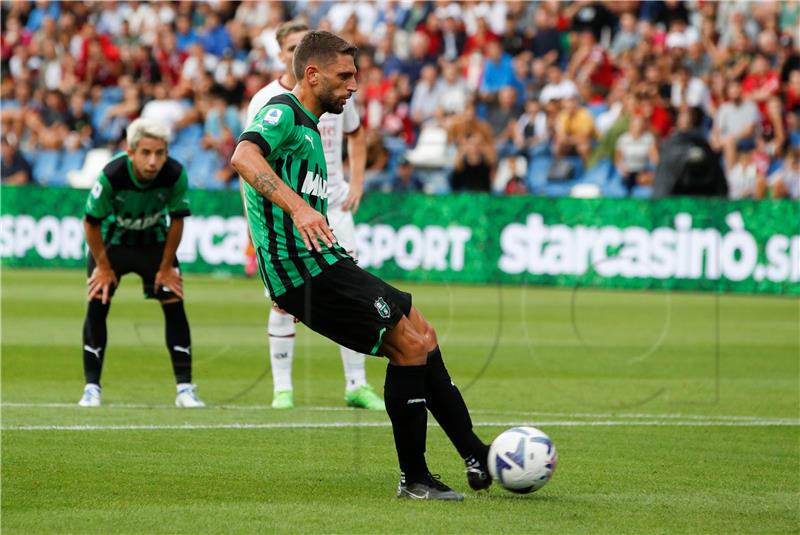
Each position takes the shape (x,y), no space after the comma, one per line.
(133,212)
(287,134)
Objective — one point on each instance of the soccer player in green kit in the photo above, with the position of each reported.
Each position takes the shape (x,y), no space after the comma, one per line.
(127,232)
(309,275)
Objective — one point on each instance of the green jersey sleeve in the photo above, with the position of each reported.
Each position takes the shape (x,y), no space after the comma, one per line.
(271,127)
(98,203)
(178,203)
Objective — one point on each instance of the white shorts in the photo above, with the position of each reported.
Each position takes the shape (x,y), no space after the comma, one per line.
(344,228)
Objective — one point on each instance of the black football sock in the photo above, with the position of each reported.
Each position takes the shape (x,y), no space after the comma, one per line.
(94,340)
(447,406)
(404,394)
(179,341)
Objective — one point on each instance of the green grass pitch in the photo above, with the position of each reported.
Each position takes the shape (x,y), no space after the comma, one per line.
(671,412)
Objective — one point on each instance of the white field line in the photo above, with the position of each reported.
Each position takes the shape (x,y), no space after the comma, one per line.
(339,425)
(607,415)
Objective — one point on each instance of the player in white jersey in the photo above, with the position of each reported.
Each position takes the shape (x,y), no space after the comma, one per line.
(343,201)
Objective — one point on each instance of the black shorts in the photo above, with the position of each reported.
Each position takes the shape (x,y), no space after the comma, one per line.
(348,305)
(144,260)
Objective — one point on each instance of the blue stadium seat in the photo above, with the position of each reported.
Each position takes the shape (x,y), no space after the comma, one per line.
(72,160)
(538,166)
(562,189)
(203,167)
(189,136)
(46,168)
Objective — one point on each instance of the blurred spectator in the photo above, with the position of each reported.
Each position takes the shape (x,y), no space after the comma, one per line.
(453,35)
(687,165)
(459,127)
(453,92)
(546,42)
(627,38)
(79,122)
(558,87)
(406,180)
(785,182)
(745,179)
(531,130)
(185,36)
(574,131)
(75,73)
(16,171)
(427,95)
(502,115)
(762,86)
(735,125)
(688,90)
(474,165)
(637,155)
(498,71)
(516,184)
(170,110)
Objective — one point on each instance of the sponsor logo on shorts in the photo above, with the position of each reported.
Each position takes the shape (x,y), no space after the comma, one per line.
(382,307)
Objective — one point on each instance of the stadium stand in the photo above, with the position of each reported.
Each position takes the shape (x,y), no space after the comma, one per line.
(64,62)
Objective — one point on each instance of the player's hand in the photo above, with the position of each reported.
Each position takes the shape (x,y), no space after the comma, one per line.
(313,228)
(100,283)
(353,199)
(170,279)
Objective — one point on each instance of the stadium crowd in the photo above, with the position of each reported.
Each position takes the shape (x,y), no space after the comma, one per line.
(547,98)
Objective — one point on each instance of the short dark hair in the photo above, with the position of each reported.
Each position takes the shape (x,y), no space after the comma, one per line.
(321,46)
(288,28)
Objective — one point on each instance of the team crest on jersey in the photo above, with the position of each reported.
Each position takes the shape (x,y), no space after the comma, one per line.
(382,308)
(272,116)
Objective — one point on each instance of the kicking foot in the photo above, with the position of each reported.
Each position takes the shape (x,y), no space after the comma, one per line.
(477,473)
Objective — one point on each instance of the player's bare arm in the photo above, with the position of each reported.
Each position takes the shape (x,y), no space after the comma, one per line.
(357,151)
(168,276)
(102,277)
(250,164)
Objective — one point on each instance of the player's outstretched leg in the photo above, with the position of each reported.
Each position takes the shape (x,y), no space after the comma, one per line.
(358,393)
(445,402)
(179,344)
(281,330)
(94,350)
(405,396)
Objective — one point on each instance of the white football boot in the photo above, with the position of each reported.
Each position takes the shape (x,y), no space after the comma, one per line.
(91,396)
(186,396)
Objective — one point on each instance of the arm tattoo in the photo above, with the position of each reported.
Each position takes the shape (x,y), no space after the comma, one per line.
(265,183)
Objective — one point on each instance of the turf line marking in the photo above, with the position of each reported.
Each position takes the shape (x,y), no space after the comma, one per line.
(340,425)
(606,415)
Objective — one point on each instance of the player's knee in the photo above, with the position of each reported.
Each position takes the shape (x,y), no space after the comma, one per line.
(280,323)
(429,337)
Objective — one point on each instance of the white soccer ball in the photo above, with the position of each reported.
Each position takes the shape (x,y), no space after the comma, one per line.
(522,459)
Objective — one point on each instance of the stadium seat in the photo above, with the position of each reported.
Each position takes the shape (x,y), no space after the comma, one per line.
(563,189)
(72,161)
(432,149)
(189,136)
(538,166)
(204,165)
(46,168)
(93,163)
